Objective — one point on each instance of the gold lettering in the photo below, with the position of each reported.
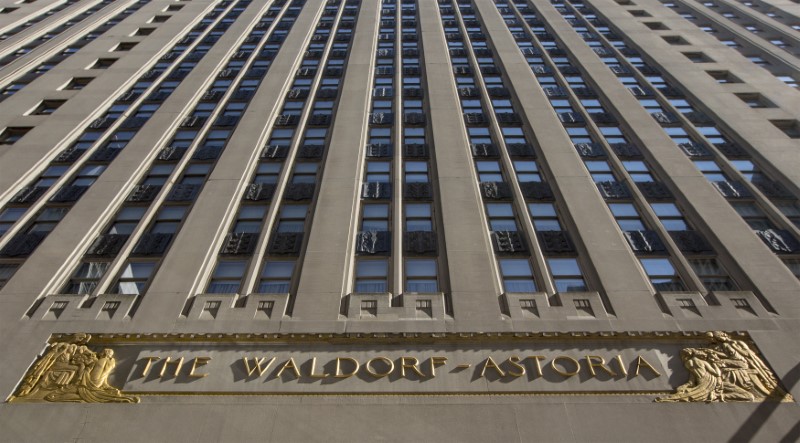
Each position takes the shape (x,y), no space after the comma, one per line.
(600,365)
(538,359)
(514,361)
(576,363)
(199,361)
(622,367)
(148,364)
(371,370)
(436,361)
(641,362)
(490,363)
(167,361)
(256,365)
(312,374)
(289,364)
(413,366)
(339,373)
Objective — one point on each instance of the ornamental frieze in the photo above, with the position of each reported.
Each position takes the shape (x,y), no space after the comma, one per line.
(668,367)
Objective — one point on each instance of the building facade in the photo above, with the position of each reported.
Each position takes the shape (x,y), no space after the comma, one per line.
(444,220)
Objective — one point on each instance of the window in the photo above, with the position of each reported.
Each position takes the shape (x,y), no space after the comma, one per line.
(10,216)
(698,57)
(102,63)
(789,127)
(723,77)
(675,40)
(662,274)
(250,218)
(712,274)
(670,216)
(545,217)
(144,31)
(627,216)
(753,215)
(6,272)
(126,220)
(792,263)
(421,275)
(292,218)
(372,276)
(124,46)
(159,19)
(47,107)
(755,100)
(85,278)
(168,219)
(567,276)
(501,217)
(134,277)
(656,26)
(77,83)
(517,275)
(276,277)
(227,277)
(375,217)
(11,135)
(418,217)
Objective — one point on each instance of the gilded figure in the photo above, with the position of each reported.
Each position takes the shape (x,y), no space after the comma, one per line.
(71,372)
(726,371)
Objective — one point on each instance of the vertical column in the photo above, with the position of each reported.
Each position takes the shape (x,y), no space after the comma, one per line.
(326,269)
(197,240)
(725,226)
(618,271)
(474,283)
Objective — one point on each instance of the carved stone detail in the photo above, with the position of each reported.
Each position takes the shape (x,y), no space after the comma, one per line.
(645,241)
(556,242)
(152,244)
(287,243)
(415,150)
(732,189)
(171,153)
(727,370)
(68,194)
(22,245)
(378,150)
(259,191)
(779,240)
(373,242)
(299,191)
(506,242)
(613,190)
(241,243)
(107,245)
(28,194)
(376,190)
(520,150)
(536,191)
(420,242)
(183,192)
(592,150)
(495,190)
(626,150)
(690,241)
(655,190)
(484,150)
(418,191)
(70,372)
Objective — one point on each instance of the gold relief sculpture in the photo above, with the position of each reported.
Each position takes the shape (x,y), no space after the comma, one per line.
(71,372)
(726,371)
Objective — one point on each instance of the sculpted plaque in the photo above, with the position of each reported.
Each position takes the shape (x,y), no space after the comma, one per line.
(719,367)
